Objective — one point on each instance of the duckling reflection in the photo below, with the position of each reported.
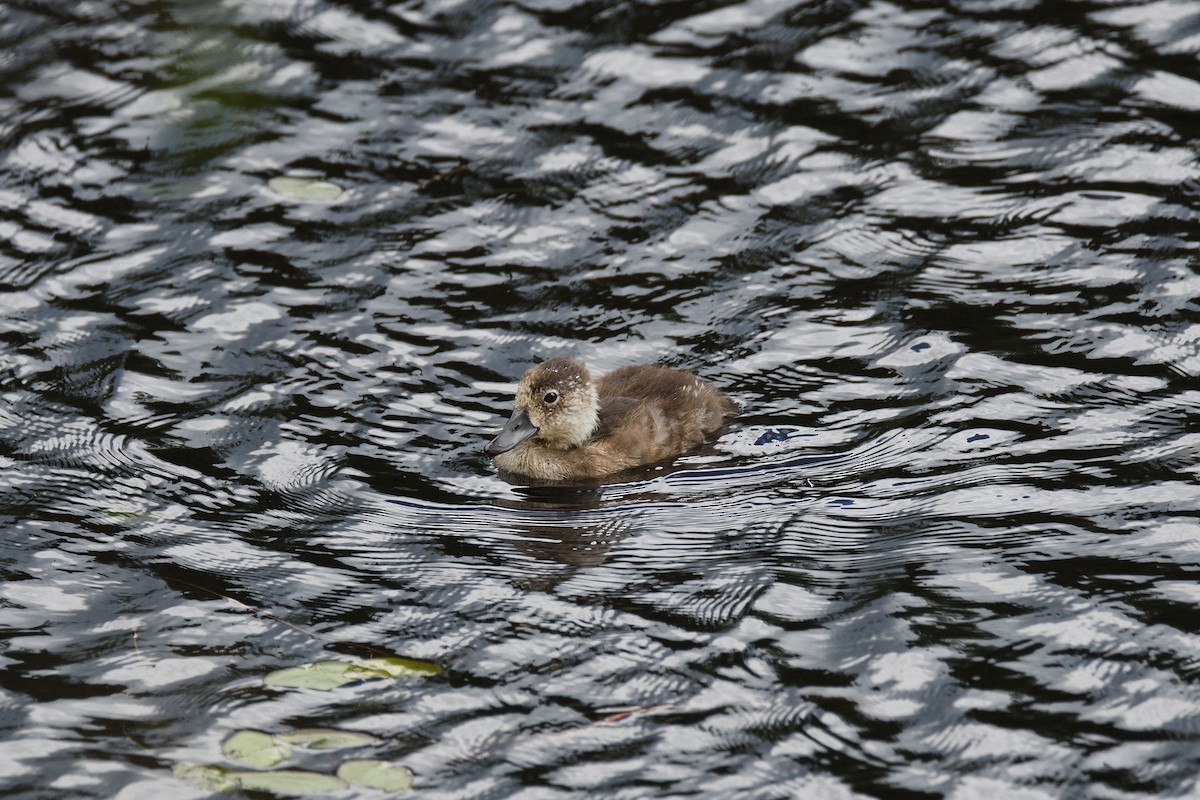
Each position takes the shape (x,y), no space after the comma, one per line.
(560,534)
(586,546)
(567,427)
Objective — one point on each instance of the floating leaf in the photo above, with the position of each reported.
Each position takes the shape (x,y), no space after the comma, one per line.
(255,749)
(323,675)
(326,738)
(326,675)
(376,775)
(288,781)
(397,667)
(212,778)
(206,776)
(308,189)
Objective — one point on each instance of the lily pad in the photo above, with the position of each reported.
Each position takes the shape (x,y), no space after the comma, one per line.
(205,776)
(255,749)
(288,781)
(376,775)
(307,189)
(212,778)
(322,675)
(326,738)
(326,675)
(396,667)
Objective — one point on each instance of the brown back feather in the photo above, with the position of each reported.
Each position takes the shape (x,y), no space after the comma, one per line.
(650,412)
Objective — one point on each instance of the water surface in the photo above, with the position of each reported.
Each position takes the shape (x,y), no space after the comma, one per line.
(943,254)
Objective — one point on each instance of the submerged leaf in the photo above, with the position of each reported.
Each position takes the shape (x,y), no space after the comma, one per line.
(326,738)
(255,749)
(310,189)
(376,775)
(122,515)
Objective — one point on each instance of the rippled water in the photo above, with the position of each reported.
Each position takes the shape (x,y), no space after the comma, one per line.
(943,254)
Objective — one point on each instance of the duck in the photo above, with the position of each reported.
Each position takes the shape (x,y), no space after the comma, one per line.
(565,426)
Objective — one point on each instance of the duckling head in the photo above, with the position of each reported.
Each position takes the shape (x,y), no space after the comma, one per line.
(556,403)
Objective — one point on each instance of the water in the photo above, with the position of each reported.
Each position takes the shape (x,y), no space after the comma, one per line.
(943,255)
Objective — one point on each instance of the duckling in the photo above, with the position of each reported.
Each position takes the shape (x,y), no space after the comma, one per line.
(567,427)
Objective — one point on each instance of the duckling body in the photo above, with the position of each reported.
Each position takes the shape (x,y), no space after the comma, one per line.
(565,426)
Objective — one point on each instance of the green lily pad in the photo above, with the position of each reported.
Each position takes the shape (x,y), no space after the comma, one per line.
(288,781)
(326,738)
(326,675)
(396,667)
(205,776)
(255,749)
(323,675)
(376,775)
(307,189)
(212,778)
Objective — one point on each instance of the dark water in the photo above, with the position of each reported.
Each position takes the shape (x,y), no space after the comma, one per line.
(945,255)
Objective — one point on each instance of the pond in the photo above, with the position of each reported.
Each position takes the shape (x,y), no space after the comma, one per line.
(270,270)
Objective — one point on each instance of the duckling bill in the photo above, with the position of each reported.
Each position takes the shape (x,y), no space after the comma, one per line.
(565,426)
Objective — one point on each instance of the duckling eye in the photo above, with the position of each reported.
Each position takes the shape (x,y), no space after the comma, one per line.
(550,398)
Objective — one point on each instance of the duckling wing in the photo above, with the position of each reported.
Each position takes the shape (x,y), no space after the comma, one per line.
(649,413)
(680,394)
(641,431)
(614,413)
(643,382)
